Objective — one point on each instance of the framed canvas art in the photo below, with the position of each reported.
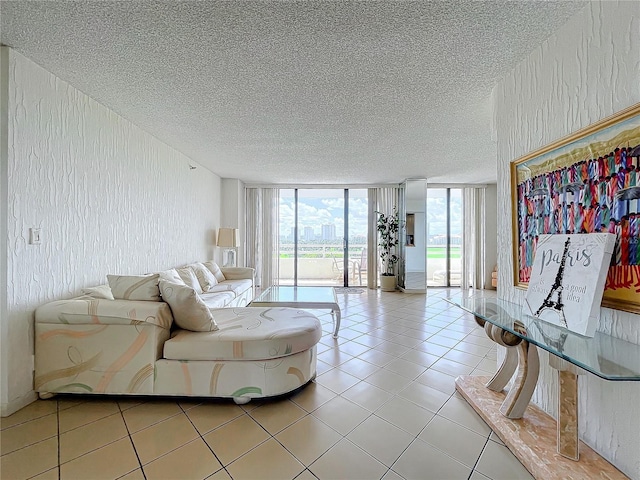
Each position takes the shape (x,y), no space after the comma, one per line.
(567,280)
(586,183)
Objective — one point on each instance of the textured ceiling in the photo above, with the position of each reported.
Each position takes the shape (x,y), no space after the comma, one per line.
(297,92)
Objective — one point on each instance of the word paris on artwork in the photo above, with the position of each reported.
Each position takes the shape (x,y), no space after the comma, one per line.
(567,280)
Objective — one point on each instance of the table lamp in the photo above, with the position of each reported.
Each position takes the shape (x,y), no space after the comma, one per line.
(228,239)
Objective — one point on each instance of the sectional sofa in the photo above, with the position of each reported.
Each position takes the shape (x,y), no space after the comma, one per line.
(180,332)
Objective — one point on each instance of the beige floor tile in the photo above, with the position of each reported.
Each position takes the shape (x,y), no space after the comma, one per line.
(128,403)
(480,340)
(498,463)
(163,437)
(353,348)
(235,438)
(193,460)
(52,474)
(100,464)
(268,460)
(421,457)
(207,416)
(451,368)
(37,409)
(426,397)
(495,438)
(367,396)
(334,357)
(147,414)
(377,357)
(388,381)
(380,439)
(341,415)
(438,380)
(220,475)
(391,475)
(85,413)
(432,348)
(81,440)
(312,396)
(405,414)
(70,401)
(420,358)
(391,348)
(308,439)
(346,461)
(472,348)
(459,411)
(478,476)
(277,415)
(322,367)
(405,368)
(359,368)
(463,357)
(455,440)
(488,365)
(30,461)
(306,475)
(135,475)
(28,433)
(337,380)
(369,340)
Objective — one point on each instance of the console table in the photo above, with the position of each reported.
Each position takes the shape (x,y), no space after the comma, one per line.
(525,428)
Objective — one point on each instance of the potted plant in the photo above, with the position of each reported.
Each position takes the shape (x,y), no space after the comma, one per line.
(388,227)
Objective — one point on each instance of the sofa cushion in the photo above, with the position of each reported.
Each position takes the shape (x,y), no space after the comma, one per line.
(188,276)
(88,310)
(100,291)
(217,299)
(171,275)
(135,287)
(189,311)
(235,286)
(215,269)
(249,333)
(206,279)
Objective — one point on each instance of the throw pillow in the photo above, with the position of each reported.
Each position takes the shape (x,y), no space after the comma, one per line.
(188,276)
(206,279)
(215,269)
(135,287)
(101,291)
(189,311)
(171,275)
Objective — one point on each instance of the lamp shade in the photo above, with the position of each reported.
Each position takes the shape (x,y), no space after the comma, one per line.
(228,237)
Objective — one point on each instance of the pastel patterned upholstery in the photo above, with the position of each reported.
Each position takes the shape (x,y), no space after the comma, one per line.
(235,379)
(251,333)
(97,358)
(94,345)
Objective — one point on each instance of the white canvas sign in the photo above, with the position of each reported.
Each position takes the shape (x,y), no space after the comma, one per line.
(567,280)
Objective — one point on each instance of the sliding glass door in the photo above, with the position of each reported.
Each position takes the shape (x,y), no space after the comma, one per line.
(444,237)
(323,236)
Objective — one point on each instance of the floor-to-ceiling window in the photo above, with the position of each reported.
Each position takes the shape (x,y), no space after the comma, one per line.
(323,236)
(444,236)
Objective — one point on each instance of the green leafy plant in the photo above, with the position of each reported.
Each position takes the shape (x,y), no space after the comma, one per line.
(388,227)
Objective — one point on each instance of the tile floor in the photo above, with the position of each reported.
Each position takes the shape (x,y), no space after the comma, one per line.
(383,405)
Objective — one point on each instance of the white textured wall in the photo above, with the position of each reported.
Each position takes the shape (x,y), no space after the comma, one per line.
(109,198)
(588,70)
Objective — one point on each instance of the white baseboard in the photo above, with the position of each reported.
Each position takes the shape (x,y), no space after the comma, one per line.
(16,404)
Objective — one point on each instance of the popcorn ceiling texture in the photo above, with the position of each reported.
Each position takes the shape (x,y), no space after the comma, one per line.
(109,198)
(587,71)
(297,92)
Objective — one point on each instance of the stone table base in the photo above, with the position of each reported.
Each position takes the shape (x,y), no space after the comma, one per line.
(532,438)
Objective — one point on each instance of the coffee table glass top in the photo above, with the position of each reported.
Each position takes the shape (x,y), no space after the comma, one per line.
(287,294)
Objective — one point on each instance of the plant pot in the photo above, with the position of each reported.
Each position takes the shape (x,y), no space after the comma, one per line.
(388,283)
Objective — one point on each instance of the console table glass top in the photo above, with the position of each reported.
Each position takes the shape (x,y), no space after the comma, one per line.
(603,355)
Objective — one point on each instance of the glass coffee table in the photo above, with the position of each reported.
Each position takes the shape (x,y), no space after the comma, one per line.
(302,297)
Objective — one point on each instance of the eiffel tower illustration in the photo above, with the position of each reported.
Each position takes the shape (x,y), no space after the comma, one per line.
(557,306)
